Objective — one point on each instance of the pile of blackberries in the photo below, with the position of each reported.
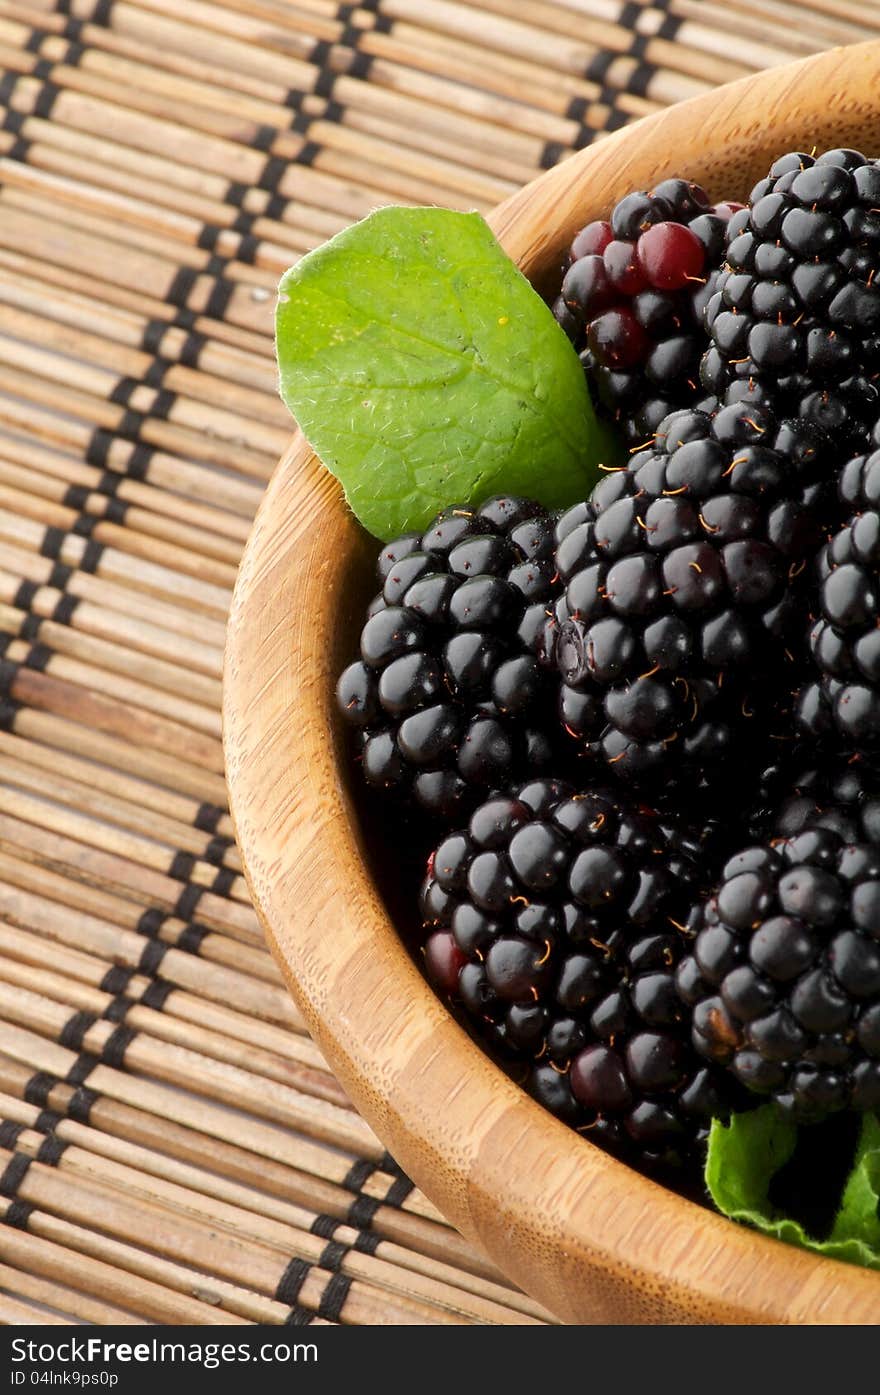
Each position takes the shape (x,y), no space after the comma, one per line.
(643,737)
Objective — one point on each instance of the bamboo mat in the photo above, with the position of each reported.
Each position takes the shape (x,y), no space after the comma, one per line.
(172,1147)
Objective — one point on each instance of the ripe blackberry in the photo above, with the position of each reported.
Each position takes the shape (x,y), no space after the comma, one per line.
(633,296)
(845,640)
(555,922)
(451,696)
(685,575)
(795,315)
(784,981)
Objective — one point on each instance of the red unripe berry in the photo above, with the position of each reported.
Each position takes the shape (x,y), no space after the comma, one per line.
(444,960)
(623,269)
(669,255)
(591,241)
(617,340)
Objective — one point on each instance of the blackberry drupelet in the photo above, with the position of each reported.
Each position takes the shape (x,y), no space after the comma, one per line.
(452,696)
(632,301)
(784,981)
(681,629)
(844,698)
(795,314)
(555,922)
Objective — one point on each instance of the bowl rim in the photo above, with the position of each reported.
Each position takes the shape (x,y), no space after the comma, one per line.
(570,1244)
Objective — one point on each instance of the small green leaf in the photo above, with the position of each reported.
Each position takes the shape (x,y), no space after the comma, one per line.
(425,371)
(745,1155)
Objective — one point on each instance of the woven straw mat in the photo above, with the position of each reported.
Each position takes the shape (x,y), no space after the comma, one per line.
(173,1147)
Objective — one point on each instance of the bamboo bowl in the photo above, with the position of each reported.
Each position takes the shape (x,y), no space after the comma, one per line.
(582,1233)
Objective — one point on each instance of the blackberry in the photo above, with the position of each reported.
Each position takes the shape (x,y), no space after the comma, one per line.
(681,624)
(794,317)
(555,922)
(632,300)
(451,696)
(844,698)
(784,981)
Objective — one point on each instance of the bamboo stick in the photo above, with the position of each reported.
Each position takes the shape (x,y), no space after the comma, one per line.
(59,732)
(49,1294)
(93,798)
(237,1272)
(156,673)
(290,1239)
(15,1312)
(110,784)
(114,684)
(142,1163)
(216,981)
(309,1079)
(50,1250)
(121,1125)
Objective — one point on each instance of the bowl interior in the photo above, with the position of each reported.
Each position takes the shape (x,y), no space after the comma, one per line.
(589,1238)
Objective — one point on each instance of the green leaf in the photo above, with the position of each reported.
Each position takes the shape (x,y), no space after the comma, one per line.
(745,1155)
(425,371)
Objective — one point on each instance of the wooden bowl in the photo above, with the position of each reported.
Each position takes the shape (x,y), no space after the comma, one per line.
(586,1236)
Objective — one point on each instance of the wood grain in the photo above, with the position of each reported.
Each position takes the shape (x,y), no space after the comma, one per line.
(579,1231)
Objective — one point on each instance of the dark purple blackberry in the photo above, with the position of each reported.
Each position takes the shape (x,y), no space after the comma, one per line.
(555,922)
(844,698)
(784,981)
(795,313)
(681,628)
(632,301)
(452,696)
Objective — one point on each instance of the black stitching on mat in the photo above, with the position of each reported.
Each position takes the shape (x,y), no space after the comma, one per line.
(117,1008)
(367,1242)
(325,1227)
(13,1174)
(50,1150)
(63,612)
(10,1132)
(187,901)
(361,1212)
(18,1214)
(224,881)
(91,557)
(53,541)
(182,865)
(81,1103)
(332,1256)
(358,1174)
(333,1299)
(398,1192)
(116,1046)
(38,1088)
(59,576)
(38,657)
(299,1317)
(30,627)
(153,953)
(25,594)
(291,1282)
(151,922)
(76,497)
(81,1069)
(216,850)
(85,525)
(191,938)
(116,980)
(47,1120)
(155,994)
(75,1029)
(207,818)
